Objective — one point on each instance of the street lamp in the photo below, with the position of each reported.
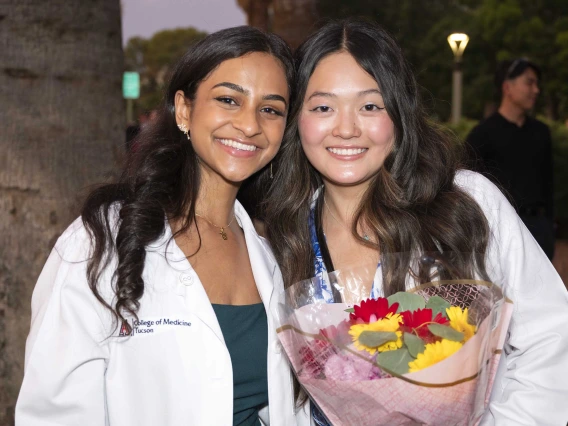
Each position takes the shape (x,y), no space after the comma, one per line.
(458,42)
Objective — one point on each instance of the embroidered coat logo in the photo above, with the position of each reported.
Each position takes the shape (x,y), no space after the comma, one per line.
(125,330)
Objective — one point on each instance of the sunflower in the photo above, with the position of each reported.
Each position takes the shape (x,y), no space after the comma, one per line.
(389,323)
(433,353)
(458,321)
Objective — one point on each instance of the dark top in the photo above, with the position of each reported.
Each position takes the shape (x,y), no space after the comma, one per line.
(518,159)
(245,330)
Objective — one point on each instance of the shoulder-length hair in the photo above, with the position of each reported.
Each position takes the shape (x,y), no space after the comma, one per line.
(412,205)
(161,177)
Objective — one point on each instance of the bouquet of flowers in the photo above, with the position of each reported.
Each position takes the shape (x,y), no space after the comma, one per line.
(424,356)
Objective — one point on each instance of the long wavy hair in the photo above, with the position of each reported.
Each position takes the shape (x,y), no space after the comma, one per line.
(161,178)
(412,205)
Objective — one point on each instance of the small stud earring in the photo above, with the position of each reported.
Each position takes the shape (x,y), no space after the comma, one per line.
(184,130)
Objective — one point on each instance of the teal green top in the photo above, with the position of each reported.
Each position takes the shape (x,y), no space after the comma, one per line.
(245,330)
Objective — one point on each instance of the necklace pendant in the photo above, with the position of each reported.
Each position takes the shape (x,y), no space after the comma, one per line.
(223,233)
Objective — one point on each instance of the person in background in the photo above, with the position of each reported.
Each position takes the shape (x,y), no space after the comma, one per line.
(514,150)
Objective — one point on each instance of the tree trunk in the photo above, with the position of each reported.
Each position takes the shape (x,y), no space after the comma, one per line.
(62,118)
(257,13)
(293,20)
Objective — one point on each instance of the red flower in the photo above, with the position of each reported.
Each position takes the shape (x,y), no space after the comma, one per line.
(338,334)
(417,322)
(372,310)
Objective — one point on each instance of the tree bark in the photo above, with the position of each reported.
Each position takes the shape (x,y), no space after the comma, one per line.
(293,20)
(63,123)
(257,13)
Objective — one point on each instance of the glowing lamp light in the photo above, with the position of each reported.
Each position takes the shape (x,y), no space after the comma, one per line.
(458,42)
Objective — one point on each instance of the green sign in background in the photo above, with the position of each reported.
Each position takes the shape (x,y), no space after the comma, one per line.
(131,85)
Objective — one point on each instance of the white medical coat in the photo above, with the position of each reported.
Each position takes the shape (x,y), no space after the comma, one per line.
(531,385)
(174,369)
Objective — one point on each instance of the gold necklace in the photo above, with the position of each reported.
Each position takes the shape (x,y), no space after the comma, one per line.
(221,228)
(365,236)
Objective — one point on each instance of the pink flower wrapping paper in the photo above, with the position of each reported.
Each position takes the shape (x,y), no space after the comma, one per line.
(350,389)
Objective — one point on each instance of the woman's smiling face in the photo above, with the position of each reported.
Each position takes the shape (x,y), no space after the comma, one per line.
(237,119)
(344,127)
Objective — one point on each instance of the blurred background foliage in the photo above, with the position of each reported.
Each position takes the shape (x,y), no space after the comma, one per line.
(152,58)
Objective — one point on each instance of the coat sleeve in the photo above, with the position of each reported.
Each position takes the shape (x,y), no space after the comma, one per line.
(66,350)
(531,385)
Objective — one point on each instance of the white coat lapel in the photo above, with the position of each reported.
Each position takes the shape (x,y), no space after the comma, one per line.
(188,284)
(198,303)
(262,264)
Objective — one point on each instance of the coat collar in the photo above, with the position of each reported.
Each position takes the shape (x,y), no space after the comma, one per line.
(189,286)
(261,258)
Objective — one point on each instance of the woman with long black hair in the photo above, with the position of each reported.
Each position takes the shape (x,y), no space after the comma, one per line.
(155,307)
(363,177)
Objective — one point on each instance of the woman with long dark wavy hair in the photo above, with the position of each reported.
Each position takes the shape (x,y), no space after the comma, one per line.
(362,177)
(155,307)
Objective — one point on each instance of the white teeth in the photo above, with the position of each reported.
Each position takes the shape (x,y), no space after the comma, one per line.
(347,151)
(237,145)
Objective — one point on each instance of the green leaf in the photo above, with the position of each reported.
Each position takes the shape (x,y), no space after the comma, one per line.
(445,332)
(438,305)
(395,361)
(374,339)
(407,301)
(350,310)
(414,344)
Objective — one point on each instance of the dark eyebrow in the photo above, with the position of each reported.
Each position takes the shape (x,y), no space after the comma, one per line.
(332,95)
(275,98)
(323,94)
(246,92)
(234,87)
(369,91)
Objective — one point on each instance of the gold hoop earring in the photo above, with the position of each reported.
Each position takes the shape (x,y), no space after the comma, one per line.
(184,130)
